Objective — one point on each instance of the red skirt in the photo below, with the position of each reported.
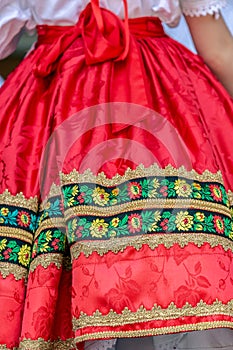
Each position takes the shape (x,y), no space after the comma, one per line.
(115,177)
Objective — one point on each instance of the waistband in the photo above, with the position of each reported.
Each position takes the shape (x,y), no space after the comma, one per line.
(139,27)
(103,27)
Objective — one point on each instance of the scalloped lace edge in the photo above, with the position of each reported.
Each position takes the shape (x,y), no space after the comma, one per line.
(197,10)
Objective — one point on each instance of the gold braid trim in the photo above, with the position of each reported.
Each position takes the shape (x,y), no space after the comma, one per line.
(55,190)
(7,269)
(45,260)
(148,204)
(154,170)
(116,245)
(155,331)
(41,344)
(50,223)
(156,313)
(230,197)
(19,200)
(17,233)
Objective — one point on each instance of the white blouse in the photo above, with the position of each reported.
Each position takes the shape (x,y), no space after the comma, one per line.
(16,15)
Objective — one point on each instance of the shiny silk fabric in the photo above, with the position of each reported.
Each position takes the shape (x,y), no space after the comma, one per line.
(96,255)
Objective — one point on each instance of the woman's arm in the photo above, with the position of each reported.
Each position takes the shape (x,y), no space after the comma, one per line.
(214,43)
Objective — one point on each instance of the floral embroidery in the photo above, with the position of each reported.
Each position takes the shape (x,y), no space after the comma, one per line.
(24,255)
(143,188)
(134,223)
(98,228)
(182,188)
(134,190)
(216,193)
(219,224)
(184,221)
(100,197)
(206,209)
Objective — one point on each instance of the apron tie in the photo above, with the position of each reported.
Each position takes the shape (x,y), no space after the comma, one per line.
(105,37)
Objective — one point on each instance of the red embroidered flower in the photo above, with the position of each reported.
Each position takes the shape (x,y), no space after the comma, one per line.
(81,198)
(55,243)
(78,232)
(216,193)
(135,223)
(23,219)
(164,224)
(134,190)
(163,191)
(219,224)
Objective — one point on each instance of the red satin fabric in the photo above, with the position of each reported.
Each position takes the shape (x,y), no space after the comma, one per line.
(72,69)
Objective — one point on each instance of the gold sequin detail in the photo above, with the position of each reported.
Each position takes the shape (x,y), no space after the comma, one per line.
(19,200)
(50,223)
(7,269)
(147,204)
(154,170)
(152,240)
(230,197)
(45,260)
(41,344)
(201,326)
(17,233)
(156,313)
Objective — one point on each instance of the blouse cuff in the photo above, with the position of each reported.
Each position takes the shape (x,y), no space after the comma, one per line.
(196,8)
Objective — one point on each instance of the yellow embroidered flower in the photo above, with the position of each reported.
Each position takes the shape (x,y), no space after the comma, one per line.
(24,255)
(3,243)
(100,197)
(70,202)
(184,221)
(115,222)
(152,194)
(99,228)
(200,216)
(231,235)
(157,216)
(74,224)
(4,211)
(182,188)
(115,192)
(44,247)
(153,227)
(197,186)
(156,183)
(48,235)
(75,190)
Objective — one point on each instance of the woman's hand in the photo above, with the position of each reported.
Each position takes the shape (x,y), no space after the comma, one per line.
(214,43)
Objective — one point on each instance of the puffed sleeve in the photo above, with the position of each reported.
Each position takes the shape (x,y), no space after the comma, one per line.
(202,7)
(168,11)
(14,14)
